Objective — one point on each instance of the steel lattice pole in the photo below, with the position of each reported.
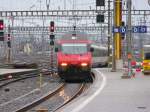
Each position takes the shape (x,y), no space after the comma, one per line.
(129,37)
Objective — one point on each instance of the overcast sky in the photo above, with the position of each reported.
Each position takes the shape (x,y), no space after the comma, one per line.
(55,4)
(59,4)
(141,4)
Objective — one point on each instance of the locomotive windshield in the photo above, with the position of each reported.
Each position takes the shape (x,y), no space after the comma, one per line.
(74,48)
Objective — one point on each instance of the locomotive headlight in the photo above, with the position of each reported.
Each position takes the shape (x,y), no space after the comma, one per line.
(64,64)
(84,64)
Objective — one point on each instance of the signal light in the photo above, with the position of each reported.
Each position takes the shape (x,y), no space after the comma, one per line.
(52,36)
(100,18)
(74,28)
(1,36)
(64,64)
(9,35)
(52,27)
(1,30)
(52,42)
(9,44)
(8,38)
(122,23)
(84,64)
(100,2)
(1,25)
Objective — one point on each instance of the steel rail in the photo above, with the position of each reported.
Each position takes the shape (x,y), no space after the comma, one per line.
(40,100)
(19,74)
(18,79)
(81,89)
(73,97)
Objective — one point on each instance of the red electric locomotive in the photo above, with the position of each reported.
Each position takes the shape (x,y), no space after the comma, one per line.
(74,57)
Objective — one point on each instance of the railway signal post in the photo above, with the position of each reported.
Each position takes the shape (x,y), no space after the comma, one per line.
(9,45)
(129,34)
(52,38)
(1,30)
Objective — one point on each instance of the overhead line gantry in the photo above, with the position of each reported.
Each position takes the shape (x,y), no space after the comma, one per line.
(66,13)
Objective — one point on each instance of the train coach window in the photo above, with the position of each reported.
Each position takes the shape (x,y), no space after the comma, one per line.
(99,52)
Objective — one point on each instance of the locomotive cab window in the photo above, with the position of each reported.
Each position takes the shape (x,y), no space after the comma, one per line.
(74,48)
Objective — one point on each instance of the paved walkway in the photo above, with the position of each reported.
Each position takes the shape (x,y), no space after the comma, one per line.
(6,71)
(115,94)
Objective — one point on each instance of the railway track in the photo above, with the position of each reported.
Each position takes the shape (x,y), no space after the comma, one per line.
(6,81)
(81,89)
(52,99)
(58,95)
(12,100)
(64,94)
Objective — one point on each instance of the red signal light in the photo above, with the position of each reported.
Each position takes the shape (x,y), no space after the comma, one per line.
(1,30)
(52,27)
(1,25)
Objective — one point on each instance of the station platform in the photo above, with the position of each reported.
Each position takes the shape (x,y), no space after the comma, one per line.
(111,93)
(13,71)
